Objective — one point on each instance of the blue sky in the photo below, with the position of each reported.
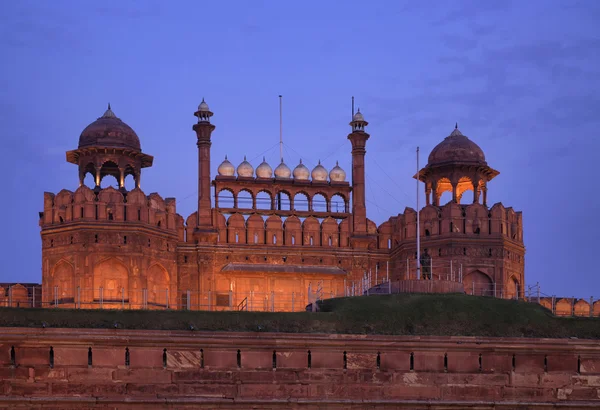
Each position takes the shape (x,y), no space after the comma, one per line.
(521,78)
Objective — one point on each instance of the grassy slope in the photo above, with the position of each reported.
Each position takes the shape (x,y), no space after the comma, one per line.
(444,315)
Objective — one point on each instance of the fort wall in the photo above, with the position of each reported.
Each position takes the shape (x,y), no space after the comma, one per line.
(153,369)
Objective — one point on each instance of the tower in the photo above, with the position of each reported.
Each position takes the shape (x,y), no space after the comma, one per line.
(358,137)
(204,131)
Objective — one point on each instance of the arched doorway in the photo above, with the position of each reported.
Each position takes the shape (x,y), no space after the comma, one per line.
(112,276)
(479,284)
(158,285)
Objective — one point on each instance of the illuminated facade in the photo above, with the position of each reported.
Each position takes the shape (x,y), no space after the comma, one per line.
(262,235)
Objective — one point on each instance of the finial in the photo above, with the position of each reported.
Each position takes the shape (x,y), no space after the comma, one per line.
(456,126)
(282,160)
(264,159)
(109,106)
(301,160)
(336,163)
(202,99)
(244,158)
(319,162)
(225,157)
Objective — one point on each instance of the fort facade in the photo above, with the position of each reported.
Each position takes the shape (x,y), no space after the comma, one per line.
(264,235)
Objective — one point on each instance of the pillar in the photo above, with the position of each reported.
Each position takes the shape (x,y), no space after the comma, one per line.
(204,131)
(484,189)
(359,210)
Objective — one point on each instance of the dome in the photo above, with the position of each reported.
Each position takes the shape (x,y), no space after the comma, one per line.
(337,174)
(264,170)
(245,169)
(226,168)
(282,170)
(456,148)
(301,172)
(358,116)
(319,173)
(203,106)
(109,131)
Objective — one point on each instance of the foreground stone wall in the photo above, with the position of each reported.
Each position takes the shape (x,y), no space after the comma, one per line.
(83,368)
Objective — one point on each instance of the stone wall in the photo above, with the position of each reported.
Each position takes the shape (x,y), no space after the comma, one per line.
(155,369)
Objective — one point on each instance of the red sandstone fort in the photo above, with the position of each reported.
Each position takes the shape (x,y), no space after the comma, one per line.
(264,239)
(267,235)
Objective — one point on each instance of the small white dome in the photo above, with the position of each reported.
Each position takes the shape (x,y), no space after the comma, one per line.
(245,169)
(282,170)
(203,106)
(319,173)
(226,168)
(301,172)
(358,116)
(337,174)
(264,170)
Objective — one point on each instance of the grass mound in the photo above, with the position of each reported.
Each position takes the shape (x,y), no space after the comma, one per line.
(404,314)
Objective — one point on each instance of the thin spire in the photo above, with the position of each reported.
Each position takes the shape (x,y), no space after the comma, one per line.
(352,107)
(109,106)
(281,127)
(225,157)
(456,126)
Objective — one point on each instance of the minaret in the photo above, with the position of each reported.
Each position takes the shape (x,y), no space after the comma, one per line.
(204,130)
(359,138)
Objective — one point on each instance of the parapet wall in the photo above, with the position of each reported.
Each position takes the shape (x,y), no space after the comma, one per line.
(156,369)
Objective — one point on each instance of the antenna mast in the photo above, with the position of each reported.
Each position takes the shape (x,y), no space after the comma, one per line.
(280,129)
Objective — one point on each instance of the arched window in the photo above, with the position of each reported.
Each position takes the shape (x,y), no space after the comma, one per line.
(330,241)
(338,204)
(237,238)
(319,203)
(263,200)
(301,202)
(282,201)
(244,200)
(255,237)
(389,244)
(225,199)
(274,239)
(311,240)
(293,240)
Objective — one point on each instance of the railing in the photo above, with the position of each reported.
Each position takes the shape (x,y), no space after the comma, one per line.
(19,296)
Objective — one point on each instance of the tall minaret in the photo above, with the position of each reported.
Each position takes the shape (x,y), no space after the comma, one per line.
(359,138)
(204,130)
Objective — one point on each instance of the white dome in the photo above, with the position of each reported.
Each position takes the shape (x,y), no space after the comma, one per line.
(319,173)
(203,106)
(301,172)
(226,168)
(264,170)
(245,169)
(337,174)
(358,116)
(282,170)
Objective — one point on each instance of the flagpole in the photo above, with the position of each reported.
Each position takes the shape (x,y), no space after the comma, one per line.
(418,224)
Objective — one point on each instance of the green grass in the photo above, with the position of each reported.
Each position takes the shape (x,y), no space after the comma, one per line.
(416,314)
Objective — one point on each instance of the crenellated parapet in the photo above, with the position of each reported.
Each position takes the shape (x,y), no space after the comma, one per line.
(108,206)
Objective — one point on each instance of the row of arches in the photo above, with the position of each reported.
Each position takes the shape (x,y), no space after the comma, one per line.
(282,201)
(109,173)
(111,283)
(273,230)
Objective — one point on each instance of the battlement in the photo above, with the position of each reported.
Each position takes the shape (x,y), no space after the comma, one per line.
(108,205)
